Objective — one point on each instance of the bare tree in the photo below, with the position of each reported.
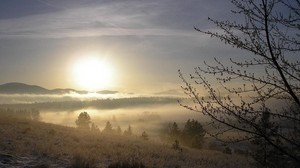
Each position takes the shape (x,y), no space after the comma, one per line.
(237,98)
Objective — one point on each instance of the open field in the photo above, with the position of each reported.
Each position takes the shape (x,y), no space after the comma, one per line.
(37,144)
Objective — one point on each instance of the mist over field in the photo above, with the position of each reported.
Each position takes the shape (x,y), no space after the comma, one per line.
(72,96)
(148,118)
(142,113)
(151,114)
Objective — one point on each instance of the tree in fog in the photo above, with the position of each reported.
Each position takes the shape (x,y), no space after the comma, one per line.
(108,128)
(193,134)
(263,152)
(174,131)
(239,94)
(128,132)
(94,128)
(119,130)
(83,121)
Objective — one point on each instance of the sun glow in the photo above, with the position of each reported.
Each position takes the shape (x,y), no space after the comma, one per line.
(92,73)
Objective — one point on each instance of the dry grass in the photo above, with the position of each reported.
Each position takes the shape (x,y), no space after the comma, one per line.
(69,147)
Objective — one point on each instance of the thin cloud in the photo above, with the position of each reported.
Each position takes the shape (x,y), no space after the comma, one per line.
(105,19)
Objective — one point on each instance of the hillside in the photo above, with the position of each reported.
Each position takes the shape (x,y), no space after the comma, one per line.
(36,144)
(22,88)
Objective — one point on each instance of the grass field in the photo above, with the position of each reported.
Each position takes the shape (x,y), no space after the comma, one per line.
(37,144)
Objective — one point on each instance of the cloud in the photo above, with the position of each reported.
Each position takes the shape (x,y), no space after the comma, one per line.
(117,18)
(171,93)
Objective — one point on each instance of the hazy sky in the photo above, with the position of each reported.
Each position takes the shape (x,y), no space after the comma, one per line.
(144,42)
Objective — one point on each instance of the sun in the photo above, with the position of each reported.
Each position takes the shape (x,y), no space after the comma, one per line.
(92,73)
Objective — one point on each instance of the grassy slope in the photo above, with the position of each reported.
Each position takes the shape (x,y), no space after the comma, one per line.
(58,146)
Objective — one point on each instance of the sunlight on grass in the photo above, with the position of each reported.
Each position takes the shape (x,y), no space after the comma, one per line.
(73,147)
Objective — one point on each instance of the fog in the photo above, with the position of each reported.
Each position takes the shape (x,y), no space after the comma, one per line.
(72,96)
(146,113)
(149,118)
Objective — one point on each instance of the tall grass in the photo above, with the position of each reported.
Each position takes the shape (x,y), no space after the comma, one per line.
(69,147)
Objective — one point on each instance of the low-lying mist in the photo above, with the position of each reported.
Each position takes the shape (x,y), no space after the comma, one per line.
(150,118)
(72,96)
(148,114)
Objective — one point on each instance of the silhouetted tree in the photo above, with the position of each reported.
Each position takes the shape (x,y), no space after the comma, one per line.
(193,134)
(119,130)
(174,131)
(128,132)
(83,120)
(108,128)
(264,153)
(94,128)
(270,33)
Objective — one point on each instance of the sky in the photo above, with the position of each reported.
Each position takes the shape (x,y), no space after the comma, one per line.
(143,43)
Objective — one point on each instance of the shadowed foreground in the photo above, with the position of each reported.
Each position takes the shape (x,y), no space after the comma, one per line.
(27,143)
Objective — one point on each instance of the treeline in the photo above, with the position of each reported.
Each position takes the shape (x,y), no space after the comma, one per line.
(31,114)
(192,135)
(84,122)
(99,103)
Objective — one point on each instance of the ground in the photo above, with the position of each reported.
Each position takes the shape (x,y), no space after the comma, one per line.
(32,144)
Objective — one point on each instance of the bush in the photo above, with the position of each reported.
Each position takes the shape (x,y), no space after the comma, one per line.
(176,145)
(145,136)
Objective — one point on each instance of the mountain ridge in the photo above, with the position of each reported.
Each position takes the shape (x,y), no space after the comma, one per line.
(23,88)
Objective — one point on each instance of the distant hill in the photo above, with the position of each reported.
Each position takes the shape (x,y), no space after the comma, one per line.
(22,88)
(64,91)
(107,92)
